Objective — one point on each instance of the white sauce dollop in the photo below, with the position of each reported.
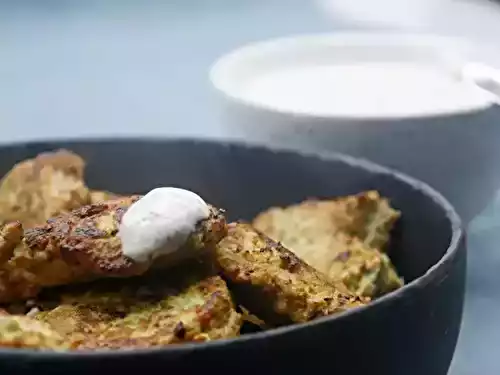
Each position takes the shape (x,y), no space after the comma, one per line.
(160,223)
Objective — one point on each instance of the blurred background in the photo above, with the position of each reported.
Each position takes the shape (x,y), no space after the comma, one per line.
(120,67)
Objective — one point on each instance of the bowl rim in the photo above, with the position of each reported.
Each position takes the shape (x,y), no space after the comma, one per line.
(218,71)
(456,227)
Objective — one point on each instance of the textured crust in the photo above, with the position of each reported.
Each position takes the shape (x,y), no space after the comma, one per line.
(202,312)
(42,187)
(87,239)
(366,216)
(187,304)
(340,238)
(81,246)
(273,282)
(142,315)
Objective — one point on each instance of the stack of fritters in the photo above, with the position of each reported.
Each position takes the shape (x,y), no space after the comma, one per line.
(66,285)
(188,302)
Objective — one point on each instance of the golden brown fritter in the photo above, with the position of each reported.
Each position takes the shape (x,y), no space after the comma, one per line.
(366,216)
(187,304)
(45,186)
(325,235)
(202,312)
(50,184)
(79,246)
(273,282)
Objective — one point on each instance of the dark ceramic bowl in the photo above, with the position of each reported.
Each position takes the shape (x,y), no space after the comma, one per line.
(412,331)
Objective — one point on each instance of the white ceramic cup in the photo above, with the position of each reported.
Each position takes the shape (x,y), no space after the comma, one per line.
(454,146)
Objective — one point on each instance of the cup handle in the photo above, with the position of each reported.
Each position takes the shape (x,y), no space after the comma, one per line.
(484,77)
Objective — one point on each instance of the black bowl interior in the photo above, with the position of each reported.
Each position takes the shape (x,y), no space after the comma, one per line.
(412,331)
(245,180)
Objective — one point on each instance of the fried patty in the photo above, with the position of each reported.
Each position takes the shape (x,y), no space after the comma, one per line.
(50,184)
(45,186)
(80,246)
(188,304)
(340,238)
(367,216)
(275,284)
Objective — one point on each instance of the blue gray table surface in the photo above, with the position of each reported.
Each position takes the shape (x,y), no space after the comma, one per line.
(73,68)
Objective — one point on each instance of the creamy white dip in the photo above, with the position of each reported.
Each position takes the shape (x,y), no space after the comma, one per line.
(362,89)
(160,223)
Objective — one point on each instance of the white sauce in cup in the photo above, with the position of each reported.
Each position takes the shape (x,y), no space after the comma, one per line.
(361,89)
